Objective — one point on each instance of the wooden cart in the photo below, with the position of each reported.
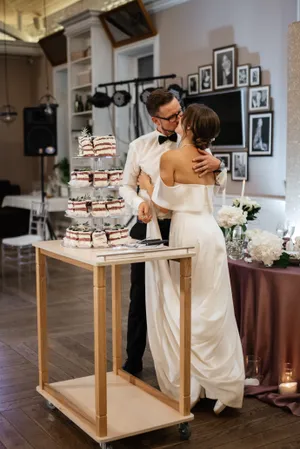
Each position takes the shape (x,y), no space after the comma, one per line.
(111,406)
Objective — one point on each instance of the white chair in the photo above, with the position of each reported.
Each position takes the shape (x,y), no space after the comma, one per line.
(18,251)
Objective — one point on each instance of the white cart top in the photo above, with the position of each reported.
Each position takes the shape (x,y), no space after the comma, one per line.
(111,256)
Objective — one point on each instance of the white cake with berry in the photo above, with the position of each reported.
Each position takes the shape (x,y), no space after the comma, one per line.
(84,237)
(86,148)
(99,208)
(104,146)
(99,238)
(122,204)
(80,208)
(113,236)
(124,231)
(113,206)
(113,177)
(117,235)
(71,237)
(100,178)
(81,178)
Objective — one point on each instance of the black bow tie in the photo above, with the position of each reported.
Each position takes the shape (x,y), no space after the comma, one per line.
(163,139)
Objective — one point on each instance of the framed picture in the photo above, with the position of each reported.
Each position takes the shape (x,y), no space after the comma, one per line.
(239,170)
(224,67)
(255,76)
(205,79)
(259,98)
(261,134)
(242,75)
(226,158)
(193,84)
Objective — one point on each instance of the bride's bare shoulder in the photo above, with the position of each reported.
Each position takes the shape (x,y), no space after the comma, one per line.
(169,156)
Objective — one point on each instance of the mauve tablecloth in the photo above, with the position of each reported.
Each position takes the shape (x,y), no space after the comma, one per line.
(267,308)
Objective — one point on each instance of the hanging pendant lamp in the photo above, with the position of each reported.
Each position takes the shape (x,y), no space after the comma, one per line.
(8,113)
(47,101)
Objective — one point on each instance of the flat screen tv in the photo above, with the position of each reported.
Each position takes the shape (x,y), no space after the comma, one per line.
(231,107)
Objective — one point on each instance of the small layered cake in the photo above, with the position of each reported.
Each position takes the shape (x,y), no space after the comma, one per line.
(86,147)
(122,204)
(113,177)
(81,178)
(71,238)
(99,208)
(84,237)
(80,208)
(70,209)
(124,231)
(120,173)
(73,176)
(100,178)
(104,146)
(113,236)
(99,239)
(113,206)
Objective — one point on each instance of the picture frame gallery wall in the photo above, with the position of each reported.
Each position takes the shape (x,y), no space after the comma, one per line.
(225,73)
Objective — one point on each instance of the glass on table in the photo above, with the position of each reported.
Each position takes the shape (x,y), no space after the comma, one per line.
(252,370)
(282,229)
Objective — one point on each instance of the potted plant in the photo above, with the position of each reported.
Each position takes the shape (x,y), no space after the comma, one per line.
(63,168)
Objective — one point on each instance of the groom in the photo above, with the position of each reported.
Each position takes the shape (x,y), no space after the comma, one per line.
(144,154)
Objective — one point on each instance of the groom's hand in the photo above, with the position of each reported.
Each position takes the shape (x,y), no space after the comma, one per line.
(205,163)
(144,214)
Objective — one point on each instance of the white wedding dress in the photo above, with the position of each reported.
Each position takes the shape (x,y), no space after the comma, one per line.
(217,364)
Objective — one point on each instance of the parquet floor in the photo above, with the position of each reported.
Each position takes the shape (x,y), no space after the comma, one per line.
(26,422)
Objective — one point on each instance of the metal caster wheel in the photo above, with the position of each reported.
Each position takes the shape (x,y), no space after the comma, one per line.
(184,431)
(50,405)
(106,446)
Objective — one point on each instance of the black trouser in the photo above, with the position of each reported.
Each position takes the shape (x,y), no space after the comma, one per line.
(137,323)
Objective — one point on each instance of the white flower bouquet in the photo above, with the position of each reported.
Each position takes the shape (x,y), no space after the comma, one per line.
(267,248)
(297,244)
(251,207)
(229,217)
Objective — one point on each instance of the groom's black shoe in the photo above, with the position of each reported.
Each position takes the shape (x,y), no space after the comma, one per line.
(133,368)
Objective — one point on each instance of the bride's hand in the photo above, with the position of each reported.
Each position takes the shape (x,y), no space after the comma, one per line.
(144,181)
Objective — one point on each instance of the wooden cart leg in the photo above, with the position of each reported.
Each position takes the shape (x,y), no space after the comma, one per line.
(116,318)
(41,294)
(185,337)
(100,350)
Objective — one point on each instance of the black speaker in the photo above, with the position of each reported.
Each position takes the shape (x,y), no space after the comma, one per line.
(40,132)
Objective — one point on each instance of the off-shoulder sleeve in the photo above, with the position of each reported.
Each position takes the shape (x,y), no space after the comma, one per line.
(164,196)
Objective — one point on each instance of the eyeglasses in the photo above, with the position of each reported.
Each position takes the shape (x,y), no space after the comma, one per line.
(173,118)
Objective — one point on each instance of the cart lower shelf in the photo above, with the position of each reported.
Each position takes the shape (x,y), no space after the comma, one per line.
(130,410)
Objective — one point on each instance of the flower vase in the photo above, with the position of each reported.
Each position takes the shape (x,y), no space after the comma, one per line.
(235,239)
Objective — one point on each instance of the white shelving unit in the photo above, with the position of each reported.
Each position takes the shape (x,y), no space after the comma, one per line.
(93,66)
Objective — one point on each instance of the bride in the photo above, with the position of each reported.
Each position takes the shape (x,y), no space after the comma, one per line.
(217,365)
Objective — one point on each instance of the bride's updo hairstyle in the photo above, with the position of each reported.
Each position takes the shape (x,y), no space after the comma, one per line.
(203,123)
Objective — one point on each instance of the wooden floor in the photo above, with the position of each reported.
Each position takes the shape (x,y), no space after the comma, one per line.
(25,421)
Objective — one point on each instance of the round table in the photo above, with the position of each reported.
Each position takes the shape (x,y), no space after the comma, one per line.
(267,308)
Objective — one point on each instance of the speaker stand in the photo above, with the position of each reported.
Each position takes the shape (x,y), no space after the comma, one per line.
(48,222)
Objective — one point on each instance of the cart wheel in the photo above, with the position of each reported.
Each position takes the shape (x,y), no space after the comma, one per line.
(50,405)
(184,431)
(106,446)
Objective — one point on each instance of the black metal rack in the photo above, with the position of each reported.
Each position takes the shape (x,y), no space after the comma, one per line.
(137,82)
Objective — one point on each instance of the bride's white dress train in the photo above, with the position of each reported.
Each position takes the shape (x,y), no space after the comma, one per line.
(217,364)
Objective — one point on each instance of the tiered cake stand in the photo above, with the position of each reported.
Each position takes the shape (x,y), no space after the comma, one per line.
(96,164)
